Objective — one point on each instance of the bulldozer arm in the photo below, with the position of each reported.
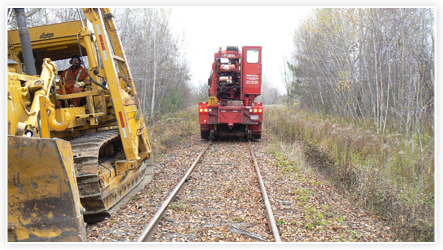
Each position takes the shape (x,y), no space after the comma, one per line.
(43,200)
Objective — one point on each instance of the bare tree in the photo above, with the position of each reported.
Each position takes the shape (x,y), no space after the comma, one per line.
(160,68)
(368,63)
(269,93)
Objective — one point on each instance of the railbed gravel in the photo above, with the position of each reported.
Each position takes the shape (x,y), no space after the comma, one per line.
(222,201)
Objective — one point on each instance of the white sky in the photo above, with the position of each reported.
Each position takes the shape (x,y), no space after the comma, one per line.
(206,28)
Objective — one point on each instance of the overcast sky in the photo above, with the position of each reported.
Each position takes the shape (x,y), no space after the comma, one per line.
(205,29)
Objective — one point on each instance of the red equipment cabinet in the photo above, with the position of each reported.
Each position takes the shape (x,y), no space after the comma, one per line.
(234,84)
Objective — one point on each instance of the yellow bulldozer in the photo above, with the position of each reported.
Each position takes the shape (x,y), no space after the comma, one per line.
(69,164)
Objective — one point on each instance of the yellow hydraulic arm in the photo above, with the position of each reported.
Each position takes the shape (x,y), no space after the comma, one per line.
(132,128)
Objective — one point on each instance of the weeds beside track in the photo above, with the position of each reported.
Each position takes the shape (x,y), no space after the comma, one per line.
(387,174)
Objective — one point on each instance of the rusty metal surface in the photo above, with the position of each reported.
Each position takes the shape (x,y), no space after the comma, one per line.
(150,228)
(271,218)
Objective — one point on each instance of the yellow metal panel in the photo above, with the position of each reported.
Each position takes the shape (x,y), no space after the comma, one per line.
(16,112)
(48,32)
(44,118)
(43,201)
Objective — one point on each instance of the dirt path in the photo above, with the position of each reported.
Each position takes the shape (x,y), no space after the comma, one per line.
(306,206)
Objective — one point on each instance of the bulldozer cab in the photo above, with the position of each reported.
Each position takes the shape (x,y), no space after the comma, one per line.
(59,42)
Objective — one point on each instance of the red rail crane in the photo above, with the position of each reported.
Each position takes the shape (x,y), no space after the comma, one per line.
(234,83)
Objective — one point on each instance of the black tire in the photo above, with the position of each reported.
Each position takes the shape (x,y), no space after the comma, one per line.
(256,136)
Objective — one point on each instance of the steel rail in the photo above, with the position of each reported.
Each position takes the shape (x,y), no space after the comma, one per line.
(274,228)
(150,228)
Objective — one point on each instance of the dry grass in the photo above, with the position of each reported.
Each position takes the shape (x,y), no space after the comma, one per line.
(388,174)
(171,129)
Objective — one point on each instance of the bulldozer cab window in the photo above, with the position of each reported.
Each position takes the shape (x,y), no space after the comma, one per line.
(252,56)
(63,64)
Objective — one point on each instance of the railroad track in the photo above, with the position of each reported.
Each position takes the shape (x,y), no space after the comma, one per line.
(211,222)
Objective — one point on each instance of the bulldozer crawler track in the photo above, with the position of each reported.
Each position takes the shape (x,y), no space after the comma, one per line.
(95,197)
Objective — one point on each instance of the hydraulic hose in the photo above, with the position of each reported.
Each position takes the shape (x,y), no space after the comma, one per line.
(87,71)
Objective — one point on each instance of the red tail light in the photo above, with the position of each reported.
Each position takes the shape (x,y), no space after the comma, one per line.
(203,110)
(256,110)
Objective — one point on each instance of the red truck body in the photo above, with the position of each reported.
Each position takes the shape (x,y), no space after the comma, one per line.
(234,83)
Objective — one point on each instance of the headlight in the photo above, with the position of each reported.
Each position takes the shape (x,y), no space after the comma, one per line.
(57,78)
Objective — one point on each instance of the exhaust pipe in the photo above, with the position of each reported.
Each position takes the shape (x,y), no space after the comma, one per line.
(25,41)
